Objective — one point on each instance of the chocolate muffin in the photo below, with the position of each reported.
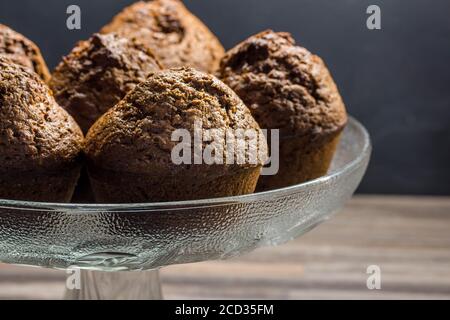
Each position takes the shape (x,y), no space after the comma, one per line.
(288,88)
(40,142)
(130,149)
(175,35)
(20,50)
(98,73)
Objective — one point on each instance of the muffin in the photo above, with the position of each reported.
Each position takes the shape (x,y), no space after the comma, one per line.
(175,35)
(40,142)
(288,88)
(20,50)
(98,73)
(130,149)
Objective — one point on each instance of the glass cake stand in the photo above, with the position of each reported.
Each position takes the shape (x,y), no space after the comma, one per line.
(111,243)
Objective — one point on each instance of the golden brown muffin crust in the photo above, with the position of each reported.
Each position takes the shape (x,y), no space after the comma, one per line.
(175,35)
(285,86)
(98,73)
(22,51)
(35,133)
(135,136)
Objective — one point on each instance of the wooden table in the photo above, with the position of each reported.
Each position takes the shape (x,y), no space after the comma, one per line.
(407,237)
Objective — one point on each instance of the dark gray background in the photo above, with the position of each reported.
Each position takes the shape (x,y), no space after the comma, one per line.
(396,81)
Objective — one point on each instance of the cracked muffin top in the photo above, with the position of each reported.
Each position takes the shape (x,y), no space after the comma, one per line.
(98,73)
(22,51)
(136,135)
(172,32)
(285,86)
(35,133)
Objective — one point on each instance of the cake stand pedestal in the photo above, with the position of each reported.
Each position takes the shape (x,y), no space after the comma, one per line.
(99,285)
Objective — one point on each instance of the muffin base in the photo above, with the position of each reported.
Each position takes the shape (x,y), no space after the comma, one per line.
(299,163)
(57,187)
(115,187)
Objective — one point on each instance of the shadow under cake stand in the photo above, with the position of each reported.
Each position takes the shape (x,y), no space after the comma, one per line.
(119,248)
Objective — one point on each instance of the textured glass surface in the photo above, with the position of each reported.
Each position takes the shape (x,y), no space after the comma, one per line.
(147,236)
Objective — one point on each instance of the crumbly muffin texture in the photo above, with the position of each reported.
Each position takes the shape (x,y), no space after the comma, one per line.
(40,143)
(288,88)
(133,141)
(21,50)
(34,131)
(136,135)
(285,86)
(98,73)
(174,34)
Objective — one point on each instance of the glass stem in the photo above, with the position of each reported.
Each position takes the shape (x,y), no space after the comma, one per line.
(97,285)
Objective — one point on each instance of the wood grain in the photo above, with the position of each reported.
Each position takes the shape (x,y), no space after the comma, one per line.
(408,237)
